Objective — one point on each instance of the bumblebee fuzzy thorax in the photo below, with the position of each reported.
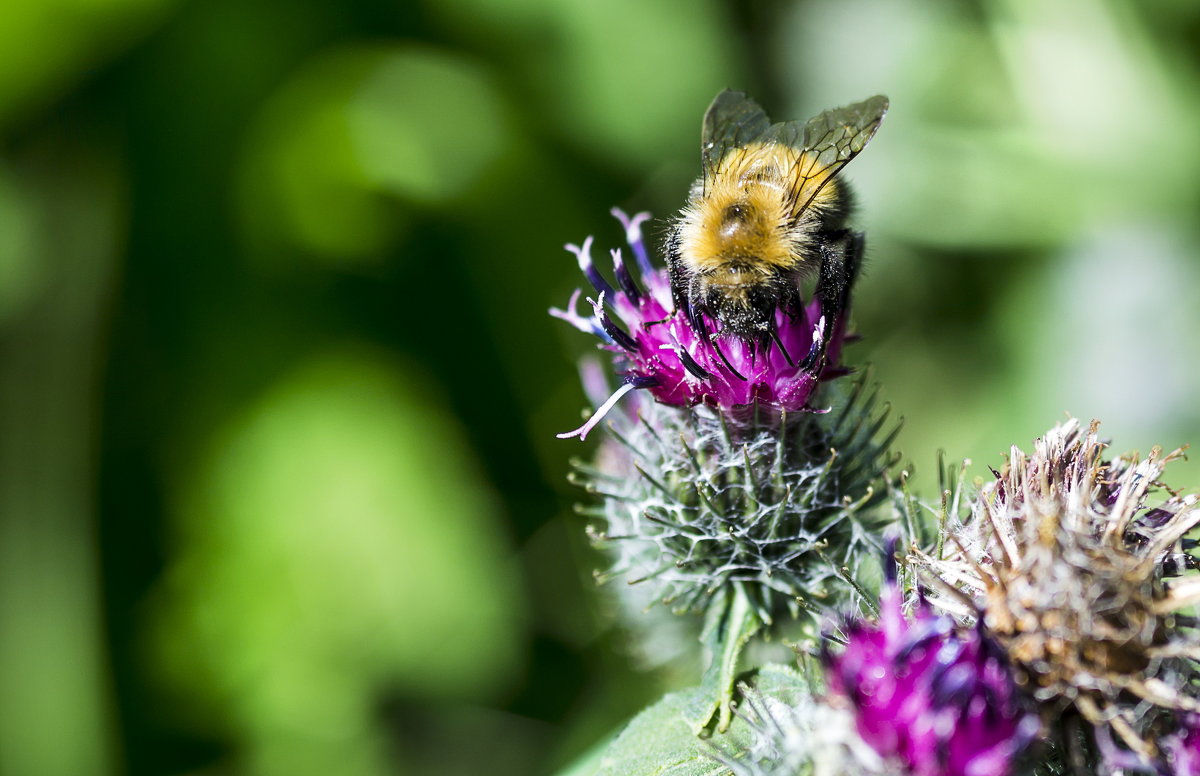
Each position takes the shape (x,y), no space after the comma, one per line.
(741,226)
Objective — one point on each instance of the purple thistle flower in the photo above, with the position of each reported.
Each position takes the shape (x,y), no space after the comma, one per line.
(935,697)
(659,351)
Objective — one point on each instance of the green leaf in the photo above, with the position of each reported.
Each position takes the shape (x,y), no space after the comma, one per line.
(730,622)
(661,741)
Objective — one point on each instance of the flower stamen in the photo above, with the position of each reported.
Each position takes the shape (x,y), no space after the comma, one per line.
(618,335)
(690,364)
(624,279)
(633,236)
(586,325)
(588,267)
(599,414)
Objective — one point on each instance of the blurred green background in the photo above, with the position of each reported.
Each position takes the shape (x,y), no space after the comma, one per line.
(279,487)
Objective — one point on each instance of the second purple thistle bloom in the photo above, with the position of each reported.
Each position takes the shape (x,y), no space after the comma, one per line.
(935,697)
(658,351)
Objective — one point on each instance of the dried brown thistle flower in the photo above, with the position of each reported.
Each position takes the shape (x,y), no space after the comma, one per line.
(1081,580)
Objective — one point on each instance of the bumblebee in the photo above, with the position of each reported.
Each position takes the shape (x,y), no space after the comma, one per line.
(767,212)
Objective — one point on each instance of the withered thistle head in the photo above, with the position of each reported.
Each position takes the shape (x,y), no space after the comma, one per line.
(1074,564)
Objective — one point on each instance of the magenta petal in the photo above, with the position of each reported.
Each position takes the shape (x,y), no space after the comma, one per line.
(931,695)
(1183,748)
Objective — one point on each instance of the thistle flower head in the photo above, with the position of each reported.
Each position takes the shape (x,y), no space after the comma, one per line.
(657,350)
(727,495)
(934,697)
(1068,565)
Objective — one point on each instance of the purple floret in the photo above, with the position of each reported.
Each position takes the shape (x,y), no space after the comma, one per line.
(1182,749)
(932,696)
(657,350)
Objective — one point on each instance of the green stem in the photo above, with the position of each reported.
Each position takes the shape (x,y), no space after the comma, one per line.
(729,624)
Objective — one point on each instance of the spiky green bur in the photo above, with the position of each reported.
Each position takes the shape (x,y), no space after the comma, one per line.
(748,520)
(695,503)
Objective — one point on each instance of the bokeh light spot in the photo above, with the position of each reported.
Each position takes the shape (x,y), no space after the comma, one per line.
(337,541)
(357,134)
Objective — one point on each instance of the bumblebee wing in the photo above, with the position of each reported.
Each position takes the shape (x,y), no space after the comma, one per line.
(828,142)
(732,121)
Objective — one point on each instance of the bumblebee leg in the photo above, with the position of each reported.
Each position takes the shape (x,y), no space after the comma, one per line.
(841,258)
(787,291)
(691,301)
(713,338)
(779,344)
(695,319)
(677,275)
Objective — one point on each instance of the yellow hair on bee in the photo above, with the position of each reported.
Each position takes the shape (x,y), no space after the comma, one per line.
(767,214)
(748,218)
